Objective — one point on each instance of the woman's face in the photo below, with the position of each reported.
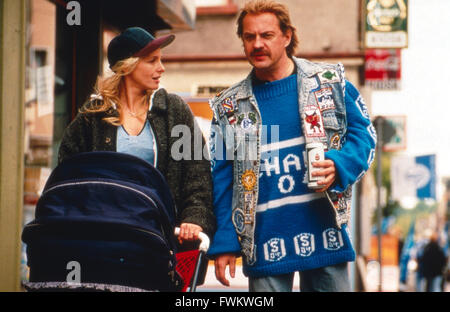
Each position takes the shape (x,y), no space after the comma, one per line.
(148,71)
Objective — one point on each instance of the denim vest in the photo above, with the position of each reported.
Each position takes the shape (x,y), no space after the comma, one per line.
(237,121)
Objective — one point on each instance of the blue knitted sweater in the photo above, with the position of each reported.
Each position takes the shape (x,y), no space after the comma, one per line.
(295,227)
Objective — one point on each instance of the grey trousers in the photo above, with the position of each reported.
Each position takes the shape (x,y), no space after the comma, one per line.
(327,279)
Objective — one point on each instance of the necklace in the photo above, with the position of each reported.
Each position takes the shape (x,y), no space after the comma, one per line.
(135,115)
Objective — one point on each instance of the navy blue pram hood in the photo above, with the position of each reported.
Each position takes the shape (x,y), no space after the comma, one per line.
(110,193)
(120,175)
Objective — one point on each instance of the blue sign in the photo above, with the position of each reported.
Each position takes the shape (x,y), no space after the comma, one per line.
(426,187)
(413,177)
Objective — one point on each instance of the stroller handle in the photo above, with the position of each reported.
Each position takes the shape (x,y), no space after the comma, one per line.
(204,240)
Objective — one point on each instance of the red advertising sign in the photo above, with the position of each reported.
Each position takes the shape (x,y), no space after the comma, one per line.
(383,69)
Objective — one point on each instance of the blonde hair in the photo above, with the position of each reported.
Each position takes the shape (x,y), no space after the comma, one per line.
(279,10)
(109,89)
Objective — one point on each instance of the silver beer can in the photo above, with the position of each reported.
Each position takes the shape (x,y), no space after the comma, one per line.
(314,152)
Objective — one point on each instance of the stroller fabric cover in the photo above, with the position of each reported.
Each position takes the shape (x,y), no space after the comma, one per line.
(111,213)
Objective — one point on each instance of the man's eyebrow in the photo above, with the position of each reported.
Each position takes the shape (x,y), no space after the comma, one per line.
(261,33)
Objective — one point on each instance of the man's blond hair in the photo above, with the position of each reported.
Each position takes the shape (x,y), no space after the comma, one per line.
(279,10)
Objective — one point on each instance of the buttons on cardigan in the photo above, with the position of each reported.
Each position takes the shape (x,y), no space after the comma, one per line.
(108,140)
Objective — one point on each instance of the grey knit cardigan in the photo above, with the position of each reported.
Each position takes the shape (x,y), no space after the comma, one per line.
(189,180)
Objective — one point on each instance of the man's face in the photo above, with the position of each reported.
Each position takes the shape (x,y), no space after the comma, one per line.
(264,42)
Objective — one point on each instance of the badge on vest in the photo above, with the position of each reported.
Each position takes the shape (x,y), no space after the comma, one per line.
(228,104)
(246,121)
(221,111)
(249,203)
(248,180)
(324,98)
(228,108)
(313,122)
(231,118)
(329,76)
(335,141)
(238,220)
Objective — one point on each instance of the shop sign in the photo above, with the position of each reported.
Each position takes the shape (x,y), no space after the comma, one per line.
(386,23)
(383,69)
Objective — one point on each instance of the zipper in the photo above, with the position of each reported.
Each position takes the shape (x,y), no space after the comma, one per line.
(100,182)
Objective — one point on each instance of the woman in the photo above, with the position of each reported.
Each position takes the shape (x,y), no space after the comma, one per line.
(129,114)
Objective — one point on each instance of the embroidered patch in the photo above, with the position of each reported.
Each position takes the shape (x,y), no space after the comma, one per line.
(221,111)
(240,118)
(324,98)
(228,104)
(238,220)
(335,141)
(274,249)
(249,203)
(304,244)
(244,121)
(362,107)
(248,180)
(231,118)
(313,122)
(252,117)
(329,76)
(332,239)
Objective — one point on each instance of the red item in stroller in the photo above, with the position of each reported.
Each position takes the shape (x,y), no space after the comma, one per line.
(189,262)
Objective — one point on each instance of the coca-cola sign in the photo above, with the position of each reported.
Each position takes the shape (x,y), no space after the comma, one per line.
(383,69)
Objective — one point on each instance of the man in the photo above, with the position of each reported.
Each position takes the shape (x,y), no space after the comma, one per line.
(264,208)
(432,263)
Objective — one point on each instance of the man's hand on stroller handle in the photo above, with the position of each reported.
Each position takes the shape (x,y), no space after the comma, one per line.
(189,232)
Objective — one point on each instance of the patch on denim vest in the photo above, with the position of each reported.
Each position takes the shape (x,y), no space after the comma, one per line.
(324,98)
(228,107)
(249,206)
(313,122)
(245,121)
(238,220)
(248,179)
(329,76)
(335,141)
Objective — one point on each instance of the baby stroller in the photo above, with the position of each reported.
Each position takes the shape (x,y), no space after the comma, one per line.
(105,222)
